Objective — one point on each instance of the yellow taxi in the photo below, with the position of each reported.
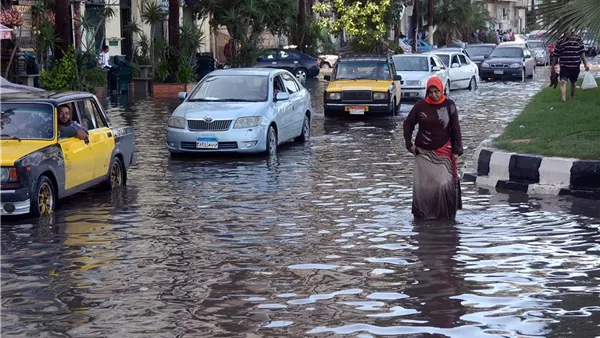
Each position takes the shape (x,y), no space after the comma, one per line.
(45,157)
(363,84)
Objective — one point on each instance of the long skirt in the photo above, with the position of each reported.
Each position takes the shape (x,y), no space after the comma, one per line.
(436,186)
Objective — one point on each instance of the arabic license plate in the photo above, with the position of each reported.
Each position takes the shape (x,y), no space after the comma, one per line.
(207,143)
(498,72)
(356,110)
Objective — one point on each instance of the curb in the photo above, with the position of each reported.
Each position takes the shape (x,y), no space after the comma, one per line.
(534,174)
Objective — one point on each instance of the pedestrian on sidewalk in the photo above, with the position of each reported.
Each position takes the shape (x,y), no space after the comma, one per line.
(436,185)
(568,54)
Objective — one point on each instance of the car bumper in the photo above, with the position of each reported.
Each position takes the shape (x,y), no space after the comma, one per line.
(506,73)
(370,108)
(413,93)
(15,202)
(245,140)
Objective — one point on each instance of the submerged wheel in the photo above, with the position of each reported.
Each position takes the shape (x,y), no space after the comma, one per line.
(305,134)
(116,178)
(271,141)
(43,200)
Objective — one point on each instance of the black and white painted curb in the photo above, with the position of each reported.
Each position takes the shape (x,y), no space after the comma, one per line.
(534,174)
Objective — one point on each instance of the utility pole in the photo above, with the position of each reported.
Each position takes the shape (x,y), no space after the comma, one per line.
(415,23)
(430,16)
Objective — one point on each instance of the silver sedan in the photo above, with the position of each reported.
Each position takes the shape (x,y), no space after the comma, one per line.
(245,110)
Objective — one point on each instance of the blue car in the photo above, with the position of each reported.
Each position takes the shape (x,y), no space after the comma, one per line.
(422,45)
(242,110)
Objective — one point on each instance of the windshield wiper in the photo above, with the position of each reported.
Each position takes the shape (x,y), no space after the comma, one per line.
(10,137)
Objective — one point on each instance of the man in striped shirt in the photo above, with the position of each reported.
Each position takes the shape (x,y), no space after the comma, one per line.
(569,53)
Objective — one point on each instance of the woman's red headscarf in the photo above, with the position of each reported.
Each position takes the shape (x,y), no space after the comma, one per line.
(437,83)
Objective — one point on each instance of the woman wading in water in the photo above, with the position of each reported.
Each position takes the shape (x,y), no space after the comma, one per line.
(436,186)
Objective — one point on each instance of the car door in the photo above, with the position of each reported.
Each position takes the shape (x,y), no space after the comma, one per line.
(442,73)
(283,110)
(297,101)
(397,84)
(466,70)
(529,62)
(268,59)
(102,140)
(79,164)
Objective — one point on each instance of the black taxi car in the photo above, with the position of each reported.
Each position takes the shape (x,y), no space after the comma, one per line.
(363,84)
(42,161)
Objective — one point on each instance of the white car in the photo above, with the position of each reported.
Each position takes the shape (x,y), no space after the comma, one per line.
(416,70)
(328,61)
(463,72)
(246,110)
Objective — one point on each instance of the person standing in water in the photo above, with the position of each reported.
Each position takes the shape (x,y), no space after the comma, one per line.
(436,185)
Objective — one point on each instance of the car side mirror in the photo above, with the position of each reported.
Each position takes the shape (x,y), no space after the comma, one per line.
(181,96)
(282,96)
(327,77)
(397,77)
(455,65)
(435,69)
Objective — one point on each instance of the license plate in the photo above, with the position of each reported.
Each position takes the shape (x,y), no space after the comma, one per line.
(207,143)
(357,110)
(498,72)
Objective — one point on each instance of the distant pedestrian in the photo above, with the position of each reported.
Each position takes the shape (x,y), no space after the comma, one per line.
(568,54)
(104,59)
(436,185)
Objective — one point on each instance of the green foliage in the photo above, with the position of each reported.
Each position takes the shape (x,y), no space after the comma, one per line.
(90,79)
(364,21)
(246,20)
(62,75)
(458,19)
(566,16)
(192,38)
(310,37)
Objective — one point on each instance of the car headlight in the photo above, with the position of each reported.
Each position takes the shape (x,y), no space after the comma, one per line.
(334,96)
(380,96)
(9,174)
(176,122)
(485,65)
(247,122)
(414,83)
(516,65)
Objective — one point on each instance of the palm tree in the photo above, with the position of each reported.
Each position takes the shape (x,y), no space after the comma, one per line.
(174,48)
(430,17)
(566,16)
(63,27)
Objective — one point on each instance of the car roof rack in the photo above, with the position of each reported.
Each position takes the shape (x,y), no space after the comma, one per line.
(364,56)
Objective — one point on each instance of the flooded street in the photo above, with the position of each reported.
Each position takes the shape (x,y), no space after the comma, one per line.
(319,242)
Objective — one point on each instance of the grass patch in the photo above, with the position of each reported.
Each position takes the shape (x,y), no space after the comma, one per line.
(555,128)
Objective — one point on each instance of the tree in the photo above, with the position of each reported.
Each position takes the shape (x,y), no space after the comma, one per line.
(245,21)
(430,18)
(458,19)
(174,48)
(566,16)
(362,20)
(62,27)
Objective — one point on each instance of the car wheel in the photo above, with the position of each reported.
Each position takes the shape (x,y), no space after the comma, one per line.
(305,134)
(116,177)
(533,74)
(43,200)
(301,74)
(271,141)
(398,108)
(472,83)
(447,89)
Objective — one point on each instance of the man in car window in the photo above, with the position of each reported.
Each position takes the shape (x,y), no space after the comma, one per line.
(69,128)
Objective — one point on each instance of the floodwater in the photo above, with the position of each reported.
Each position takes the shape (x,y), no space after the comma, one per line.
(317,242)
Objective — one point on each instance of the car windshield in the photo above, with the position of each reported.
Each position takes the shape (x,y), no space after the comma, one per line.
(229,88)
(445,58)
(480,51)
(32,121)
(362,70)
(411,63)
(536,44)
(507,52)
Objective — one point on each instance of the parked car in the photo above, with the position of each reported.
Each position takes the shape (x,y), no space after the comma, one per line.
(328,61)
(41,166)
(480,52)
(245,110)
(363,84)
(303,66)
(509,61)
(422,45)
(462,72)
(416,71)
(539,50)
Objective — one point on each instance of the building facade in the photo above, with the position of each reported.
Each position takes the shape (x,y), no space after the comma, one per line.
(508,14)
